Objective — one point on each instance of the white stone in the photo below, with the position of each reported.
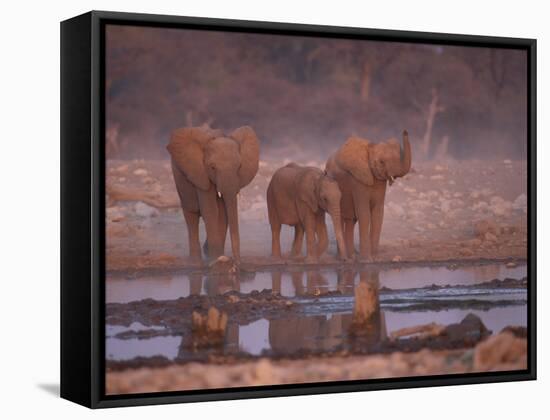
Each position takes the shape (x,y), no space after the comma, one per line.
(140,172)
(145,210)
(520,203)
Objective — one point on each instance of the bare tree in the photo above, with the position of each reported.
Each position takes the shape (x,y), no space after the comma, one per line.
(429,112)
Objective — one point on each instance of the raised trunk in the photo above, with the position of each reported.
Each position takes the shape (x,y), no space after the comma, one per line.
(406,155)
(233,222)
(337,224)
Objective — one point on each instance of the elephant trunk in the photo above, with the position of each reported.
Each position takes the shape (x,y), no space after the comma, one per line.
(406,155)
(230,201)
(337,224)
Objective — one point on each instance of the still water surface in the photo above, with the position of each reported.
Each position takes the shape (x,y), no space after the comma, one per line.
(324,320)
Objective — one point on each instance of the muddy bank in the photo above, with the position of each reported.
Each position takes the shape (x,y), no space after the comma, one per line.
(502,352)
(466,210)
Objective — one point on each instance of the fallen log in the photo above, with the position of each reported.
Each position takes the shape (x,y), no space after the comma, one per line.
(423,331)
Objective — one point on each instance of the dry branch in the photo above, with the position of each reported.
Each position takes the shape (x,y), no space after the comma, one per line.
(423,331)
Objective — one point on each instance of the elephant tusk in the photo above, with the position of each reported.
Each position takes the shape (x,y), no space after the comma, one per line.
(392,179)
(219,194)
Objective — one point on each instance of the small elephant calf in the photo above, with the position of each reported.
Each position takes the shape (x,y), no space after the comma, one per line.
(299,196)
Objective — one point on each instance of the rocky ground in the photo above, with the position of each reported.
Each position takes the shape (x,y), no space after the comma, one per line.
(502,352)
(463,210)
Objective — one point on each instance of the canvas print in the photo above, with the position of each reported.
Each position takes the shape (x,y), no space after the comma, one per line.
(287,209)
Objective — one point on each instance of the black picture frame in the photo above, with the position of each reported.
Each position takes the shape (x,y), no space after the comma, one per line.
(83,207)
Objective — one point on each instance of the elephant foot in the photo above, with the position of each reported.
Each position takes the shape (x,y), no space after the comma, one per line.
(194,259)
(364,259)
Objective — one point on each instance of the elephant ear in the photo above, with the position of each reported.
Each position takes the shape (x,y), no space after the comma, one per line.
(249,146)
(186,148)
(353,156)
(307,188)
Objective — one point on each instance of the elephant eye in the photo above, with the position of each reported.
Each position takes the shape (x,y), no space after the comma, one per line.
(212,166)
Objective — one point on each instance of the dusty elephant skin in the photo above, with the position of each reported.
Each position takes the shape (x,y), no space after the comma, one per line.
(299,196)
(362,170)
(209,171)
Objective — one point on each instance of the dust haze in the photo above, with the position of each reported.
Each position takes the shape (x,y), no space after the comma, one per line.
(305,95)
(447,292)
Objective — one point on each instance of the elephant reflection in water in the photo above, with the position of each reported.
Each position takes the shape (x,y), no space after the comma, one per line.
(368,320)
(213,284)
(325,332)
(315,284)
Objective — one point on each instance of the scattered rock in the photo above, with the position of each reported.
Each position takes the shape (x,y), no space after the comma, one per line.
(397,258)
(396,209)
(489,237)
(499,350)
(419,204)
(472,243)
(223,265)
(499,206)
(485,226)
(520,203)
(481,206)
(115,214)
(147,180)
(140,172)
(122,169)
(145,210)
(469,331)
(516,331)
(233,299)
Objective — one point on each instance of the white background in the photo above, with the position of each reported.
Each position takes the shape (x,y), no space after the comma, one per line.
(29,206)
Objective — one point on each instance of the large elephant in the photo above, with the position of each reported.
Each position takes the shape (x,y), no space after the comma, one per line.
(299,196)
(362,170)
(209,170)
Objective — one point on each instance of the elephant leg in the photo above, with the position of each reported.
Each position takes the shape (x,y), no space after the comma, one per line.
(377,217)
(192,220)
(298,241)
(311,248)
(349,226)
(276,240)
(275,224)
(222,223)
(209,212)
(322,236)
(364,237)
